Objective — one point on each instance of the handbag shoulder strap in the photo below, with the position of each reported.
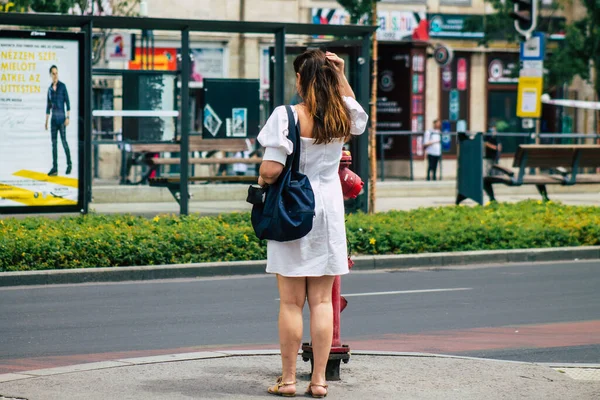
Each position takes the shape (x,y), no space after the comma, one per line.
(293,160)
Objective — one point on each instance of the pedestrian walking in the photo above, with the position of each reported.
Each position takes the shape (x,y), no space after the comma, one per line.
(305,268)
(432,142)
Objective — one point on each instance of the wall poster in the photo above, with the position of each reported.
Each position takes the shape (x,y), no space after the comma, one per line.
(41,123)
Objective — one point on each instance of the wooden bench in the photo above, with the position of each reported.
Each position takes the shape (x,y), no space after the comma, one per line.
(566,160)
(197,144)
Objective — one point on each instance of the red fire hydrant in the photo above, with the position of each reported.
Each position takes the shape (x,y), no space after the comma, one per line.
(352,186)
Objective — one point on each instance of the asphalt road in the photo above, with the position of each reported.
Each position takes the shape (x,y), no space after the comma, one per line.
(544,312)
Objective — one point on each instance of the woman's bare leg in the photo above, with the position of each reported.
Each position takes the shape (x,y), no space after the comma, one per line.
(321,326)
(292,294)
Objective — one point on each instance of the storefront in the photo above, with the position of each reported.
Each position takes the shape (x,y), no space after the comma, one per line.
(401,80)
(495,88)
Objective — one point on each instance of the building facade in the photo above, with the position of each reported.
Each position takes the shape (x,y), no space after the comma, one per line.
(477,90)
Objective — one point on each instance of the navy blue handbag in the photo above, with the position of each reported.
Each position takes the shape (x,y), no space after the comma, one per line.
(288,208)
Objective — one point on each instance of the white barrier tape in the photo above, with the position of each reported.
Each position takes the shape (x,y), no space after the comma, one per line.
(590,105)
(135,113)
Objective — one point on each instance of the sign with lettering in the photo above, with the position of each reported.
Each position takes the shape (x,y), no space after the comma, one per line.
(461,74)
(454,26)
(393,25)
(41,129)
(503,68)
(454,105)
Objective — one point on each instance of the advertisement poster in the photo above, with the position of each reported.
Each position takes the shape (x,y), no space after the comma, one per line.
(447,77)
(163,59)
(118,47)
(208,63)
(454,105)
(394,99)
(39,123)
(461,74)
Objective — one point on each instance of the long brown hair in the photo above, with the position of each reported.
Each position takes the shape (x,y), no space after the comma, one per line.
(320,92)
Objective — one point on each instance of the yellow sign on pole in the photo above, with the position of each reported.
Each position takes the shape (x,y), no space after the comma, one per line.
(529,100)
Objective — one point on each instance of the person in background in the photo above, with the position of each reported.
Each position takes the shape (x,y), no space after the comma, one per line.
(432,142)
(492,151)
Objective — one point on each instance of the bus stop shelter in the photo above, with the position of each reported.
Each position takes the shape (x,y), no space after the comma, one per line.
(359,35)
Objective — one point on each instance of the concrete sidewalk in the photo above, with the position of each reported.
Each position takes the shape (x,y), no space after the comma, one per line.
(212,199)
(247,374)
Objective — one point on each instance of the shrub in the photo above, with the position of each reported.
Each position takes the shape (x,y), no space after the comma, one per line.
(124,240)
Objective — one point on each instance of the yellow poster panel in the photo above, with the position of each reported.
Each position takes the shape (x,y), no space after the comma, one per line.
(529,101)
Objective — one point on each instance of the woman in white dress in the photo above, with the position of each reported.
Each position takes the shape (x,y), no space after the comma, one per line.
(306,268)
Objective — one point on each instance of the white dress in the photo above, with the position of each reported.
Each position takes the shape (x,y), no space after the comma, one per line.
(323,251)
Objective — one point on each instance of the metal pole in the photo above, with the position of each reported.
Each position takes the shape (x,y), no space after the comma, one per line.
(411,159)
(361,150)
(87,118)
(381,159)
(185,122)
(152,48)
(96,161)
(279,83)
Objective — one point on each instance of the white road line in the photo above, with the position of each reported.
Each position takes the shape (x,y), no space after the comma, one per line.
(402,292)
(405,292)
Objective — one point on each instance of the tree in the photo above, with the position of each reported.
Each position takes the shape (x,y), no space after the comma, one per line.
(79,7)
(357,10)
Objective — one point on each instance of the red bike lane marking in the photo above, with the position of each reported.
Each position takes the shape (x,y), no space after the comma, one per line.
(564,334)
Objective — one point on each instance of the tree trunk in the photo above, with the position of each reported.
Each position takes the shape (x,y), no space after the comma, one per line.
(373,130)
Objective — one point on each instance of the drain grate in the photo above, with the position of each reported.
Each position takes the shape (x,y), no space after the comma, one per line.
(580,374)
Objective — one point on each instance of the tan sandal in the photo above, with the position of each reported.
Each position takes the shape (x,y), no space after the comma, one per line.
(280,383)
(316,396)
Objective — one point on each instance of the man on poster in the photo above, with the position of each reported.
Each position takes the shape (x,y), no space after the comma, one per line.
(57,102)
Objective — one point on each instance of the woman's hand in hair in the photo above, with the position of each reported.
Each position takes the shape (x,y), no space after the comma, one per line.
(338,62)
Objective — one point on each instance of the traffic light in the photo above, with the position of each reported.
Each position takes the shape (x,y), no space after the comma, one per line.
(525,16)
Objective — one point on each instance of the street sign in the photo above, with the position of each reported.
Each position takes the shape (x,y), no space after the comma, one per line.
(533,49)
(532,68)
(454,105)
(527,123)
(529,100)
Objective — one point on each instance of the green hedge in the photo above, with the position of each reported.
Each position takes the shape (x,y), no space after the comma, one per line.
(119,240)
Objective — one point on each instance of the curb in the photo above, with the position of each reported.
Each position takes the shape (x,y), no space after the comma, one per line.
(207,355)
(361,263)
